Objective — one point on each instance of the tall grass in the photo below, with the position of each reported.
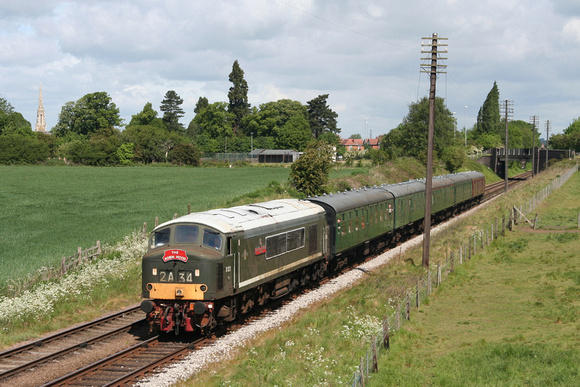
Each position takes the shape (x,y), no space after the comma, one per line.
(46,212)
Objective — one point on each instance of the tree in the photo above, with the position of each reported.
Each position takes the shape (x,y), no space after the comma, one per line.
(574,127)
(322,118)
(19,149)
(454,158)
(88,115)
(412,138)
(284,122)
(184,154)
(215,121)
(148,116)
(566,141)
(309,174)
(488,117)
(201,104)
(172,111)
(355,137)
(238,95)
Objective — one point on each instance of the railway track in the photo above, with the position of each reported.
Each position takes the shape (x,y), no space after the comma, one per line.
(128,365)
(498,188)
(16,361)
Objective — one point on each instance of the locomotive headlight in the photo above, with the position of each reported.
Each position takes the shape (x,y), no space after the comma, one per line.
(154,271)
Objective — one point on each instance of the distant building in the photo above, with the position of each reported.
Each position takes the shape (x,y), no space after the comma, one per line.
(353,144)
(40,121)
(357,144)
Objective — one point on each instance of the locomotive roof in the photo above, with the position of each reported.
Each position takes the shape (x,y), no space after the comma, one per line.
(251,217)
(343,201)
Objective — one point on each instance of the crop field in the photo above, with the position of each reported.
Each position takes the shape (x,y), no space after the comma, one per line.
(47,212)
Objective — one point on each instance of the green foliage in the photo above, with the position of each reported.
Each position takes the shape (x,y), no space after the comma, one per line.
(184,154)
(309,174)
(411,136)
(201,104)
(454,157)
(19,149)
(566,141)
(489,140)
(573,128)
(172,111)
(148,116)
(284,122)
(238,95)
(125,153)
(88,115)
(488,117)
(215,121)
(322,118)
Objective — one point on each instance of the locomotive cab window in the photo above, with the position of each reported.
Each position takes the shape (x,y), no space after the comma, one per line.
(212,239)
(160,238)
(186,234)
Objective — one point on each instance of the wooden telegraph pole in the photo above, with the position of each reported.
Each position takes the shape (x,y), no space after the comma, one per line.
(509,111)
(433,70)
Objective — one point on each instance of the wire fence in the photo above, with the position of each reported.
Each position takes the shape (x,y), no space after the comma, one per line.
(418,294)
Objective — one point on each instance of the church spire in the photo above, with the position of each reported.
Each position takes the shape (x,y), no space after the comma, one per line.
(40,122)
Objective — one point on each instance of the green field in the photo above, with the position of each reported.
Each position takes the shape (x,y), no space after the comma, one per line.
(47,212)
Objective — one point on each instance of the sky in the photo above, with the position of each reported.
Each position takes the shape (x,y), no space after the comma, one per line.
(366,54)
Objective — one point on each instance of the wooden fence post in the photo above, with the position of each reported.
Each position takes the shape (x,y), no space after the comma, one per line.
(144,230)
(156,221)
(408,309)
(461,255)
(63,265)
(175,216)
(399,316)
(361,371)
(99,251)
(189,208)
(452,259)
(374,351)
(418,293)
(438,274)
(386,333)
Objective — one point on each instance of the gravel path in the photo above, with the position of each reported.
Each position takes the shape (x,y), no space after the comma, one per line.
(227,346)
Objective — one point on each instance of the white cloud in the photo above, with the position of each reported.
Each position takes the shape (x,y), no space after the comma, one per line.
(364,53)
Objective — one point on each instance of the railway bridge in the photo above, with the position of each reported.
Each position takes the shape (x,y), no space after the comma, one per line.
(540,156)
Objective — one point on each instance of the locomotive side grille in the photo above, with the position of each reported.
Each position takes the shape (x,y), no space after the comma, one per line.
(220,276)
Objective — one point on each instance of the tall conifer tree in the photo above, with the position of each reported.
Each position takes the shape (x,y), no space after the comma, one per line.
(238,95)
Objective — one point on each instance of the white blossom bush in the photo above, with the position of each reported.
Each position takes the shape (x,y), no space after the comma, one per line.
(360,327)
(38,303)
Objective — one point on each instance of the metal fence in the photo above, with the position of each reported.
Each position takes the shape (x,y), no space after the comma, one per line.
(418,294)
